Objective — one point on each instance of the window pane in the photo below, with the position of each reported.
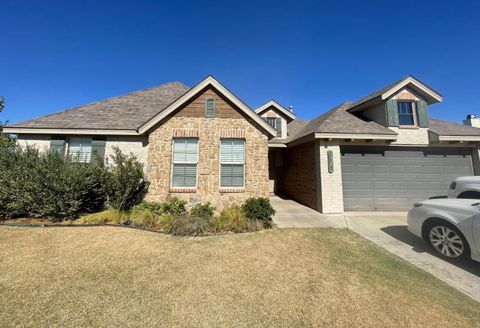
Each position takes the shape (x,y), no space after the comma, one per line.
(232,151)
(184,175)
(232,175)
(185,150)
(272,121)
(405,113)
(80,149)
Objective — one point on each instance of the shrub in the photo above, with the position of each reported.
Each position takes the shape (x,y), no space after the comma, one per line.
(259,208)
(154,207)
(127,182)
(108,216)
(234,219)
(174,206)
(44,184)
(146,218)
(186,225)
(203,210)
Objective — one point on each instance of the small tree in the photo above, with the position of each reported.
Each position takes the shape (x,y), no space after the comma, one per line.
(5,140)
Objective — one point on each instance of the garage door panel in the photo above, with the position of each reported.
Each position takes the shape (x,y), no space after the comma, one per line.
(389,179)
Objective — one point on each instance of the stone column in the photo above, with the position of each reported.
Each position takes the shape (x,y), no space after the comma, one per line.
(329,184)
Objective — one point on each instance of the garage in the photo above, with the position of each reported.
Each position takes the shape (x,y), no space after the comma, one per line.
(380,178)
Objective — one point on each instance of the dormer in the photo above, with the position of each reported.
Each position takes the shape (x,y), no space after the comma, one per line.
(277,116)
(403,104)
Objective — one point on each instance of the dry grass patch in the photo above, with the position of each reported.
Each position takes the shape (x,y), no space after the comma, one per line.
(107,276)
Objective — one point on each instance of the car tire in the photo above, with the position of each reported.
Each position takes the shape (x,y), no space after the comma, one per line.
(447,240)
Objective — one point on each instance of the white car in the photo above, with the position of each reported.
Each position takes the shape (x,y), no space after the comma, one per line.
(450,226)
(465,187)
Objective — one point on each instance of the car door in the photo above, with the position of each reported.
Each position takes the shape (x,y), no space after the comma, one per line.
(476,231)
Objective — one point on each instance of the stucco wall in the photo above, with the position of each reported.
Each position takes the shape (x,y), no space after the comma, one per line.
(39,141)
(137,146)
(189,122)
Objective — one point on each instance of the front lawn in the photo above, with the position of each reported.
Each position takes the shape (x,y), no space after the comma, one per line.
(108,276)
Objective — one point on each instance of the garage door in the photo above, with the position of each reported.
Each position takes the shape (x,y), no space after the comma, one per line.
(386,179)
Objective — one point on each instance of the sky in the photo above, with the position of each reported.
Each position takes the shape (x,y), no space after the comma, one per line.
(312,55)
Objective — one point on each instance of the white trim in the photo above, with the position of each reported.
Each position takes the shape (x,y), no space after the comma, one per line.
(410,80)
(457,138)
(276,145)
(354,136)
(275,104)
(192,92)
(220,187)
(15,130)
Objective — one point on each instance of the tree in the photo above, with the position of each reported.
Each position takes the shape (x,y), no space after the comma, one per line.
(5,140)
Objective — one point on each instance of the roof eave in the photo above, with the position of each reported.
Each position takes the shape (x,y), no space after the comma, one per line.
(275,104)
(430,95)
(30,130)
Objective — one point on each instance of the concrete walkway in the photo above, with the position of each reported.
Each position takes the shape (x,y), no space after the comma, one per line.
(389,230)
(290,214)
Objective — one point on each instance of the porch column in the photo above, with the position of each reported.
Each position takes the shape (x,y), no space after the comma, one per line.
(329,177)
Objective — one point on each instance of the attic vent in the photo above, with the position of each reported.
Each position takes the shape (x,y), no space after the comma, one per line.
(209,107)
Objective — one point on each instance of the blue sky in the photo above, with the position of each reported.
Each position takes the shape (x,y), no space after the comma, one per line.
(313,55)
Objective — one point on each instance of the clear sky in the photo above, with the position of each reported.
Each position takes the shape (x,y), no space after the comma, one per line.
(313,55)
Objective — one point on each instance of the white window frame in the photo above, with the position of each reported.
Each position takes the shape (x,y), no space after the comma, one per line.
(214,108)
(244,163)
(75,157)
(414,113)
(274,121)
(173,163)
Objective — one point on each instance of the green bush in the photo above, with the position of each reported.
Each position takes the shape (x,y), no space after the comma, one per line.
(154,207)
(127,182)
(234,219)
(203,210)
(44,184)
(186,225)
(259,208)
(146,218)
(174,206)
(104,217)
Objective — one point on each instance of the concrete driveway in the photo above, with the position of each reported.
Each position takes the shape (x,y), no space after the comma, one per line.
(389,230)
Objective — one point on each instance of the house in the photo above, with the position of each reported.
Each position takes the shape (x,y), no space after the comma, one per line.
(382,152)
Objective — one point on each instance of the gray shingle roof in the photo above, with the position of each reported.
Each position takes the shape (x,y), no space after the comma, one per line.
(339,120)
(444,128)
(293,128)
(126,112)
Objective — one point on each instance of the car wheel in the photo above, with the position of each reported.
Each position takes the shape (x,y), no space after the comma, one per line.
(447,240)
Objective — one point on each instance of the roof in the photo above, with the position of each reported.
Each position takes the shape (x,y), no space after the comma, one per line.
(444,128)
(431,95)
(133,114)
(280,108)
(339,121)
(126,112)
(293,128)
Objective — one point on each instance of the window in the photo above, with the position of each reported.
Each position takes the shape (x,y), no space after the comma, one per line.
(232,163)
(80,149)
(272,121)
(209,107)
(185,159)
(405,113)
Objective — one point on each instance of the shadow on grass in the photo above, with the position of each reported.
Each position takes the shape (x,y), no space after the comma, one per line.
(420,246)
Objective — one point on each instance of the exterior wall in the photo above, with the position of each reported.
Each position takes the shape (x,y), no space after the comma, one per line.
(377,114)
(137,146)
(299,179)
(411,136)
(331,185)
(39,141)
(190,122)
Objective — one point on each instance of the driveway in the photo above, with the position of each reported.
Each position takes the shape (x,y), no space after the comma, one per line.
(389,230)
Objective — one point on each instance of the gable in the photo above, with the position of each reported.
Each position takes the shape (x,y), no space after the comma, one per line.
(196,106)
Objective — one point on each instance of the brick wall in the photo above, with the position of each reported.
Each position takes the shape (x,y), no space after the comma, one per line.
(189,121)
(299,177)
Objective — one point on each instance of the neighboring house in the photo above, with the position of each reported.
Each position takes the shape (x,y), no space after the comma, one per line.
(204,144)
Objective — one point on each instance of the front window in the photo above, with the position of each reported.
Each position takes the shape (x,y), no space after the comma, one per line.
(232,163)
(185,160)
(80,149)
(405,113)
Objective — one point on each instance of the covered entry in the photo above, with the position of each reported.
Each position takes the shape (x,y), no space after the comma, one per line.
(379,178)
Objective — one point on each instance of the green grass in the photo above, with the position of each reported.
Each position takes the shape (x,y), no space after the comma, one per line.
(108,276)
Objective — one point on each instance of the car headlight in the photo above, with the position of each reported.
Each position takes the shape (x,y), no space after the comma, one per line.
(417,204)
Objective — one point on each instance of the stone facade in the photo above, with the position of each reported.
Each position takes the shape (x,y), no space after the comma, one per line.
(190,121)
